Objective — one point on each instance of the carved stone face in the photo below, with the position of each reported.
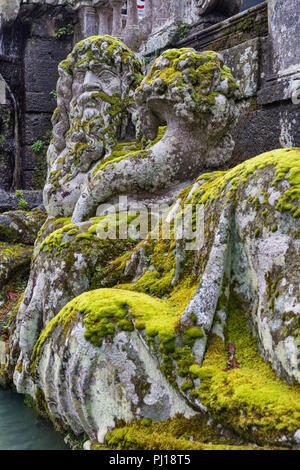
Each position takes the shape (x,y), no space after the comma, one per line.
(187,88)
(93,81)
(95,101)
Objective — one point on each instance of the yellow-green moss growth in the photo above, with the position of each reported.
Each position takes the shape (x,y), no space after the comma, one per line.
(250,399)
(178,433)
(104,309)
(286,165)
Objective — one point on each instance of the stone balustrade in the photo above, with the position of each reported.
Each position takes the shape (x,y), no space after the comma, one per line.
(158,23)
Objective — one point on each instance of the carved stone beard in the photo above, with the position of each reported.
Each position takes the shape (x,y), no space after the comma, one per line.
(87,120)
(90,119)
(90,106)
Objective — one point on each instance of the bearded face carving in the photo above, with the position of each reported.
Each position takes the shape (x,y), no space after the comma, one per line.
(95,103)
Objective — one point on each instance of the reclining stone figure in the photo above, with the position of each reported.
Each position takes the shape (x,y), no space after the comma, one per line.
(101,342)
(147,329)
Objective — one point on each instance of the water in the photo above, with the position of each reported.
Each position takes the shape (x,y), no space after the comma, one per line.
(21,428)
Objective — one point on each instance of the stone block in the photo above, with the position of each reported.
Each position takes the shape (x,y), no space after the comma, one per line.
(41,59)
(266,129)
(39,102)
(35,127)
(244,62)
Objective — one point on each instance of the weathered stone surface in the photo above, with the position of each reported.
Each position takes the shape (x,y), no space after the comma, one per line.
(73,276)
(39,102)
(262,261)
(125,373)
(278,127)
(6,146)
(9,201)
(36,126)
(9,9)
(20,226)
(244,62)
(12,259)
(284,30)
(41,57)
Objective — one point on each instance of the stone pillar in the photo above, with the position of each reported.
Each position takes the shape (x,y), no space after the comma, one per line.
(117,27)
(283,77)
(281,83)
(88,20)
(132,34)
(105,20)
(146,24)
(284,31)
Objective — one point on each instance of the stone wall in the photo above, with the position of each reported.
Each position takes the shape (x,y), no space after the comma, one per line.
(42,54)
(11,70)
(32,47)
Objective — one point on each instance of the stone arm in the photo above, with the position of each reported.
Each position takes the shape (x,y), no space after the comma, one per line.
(144,171)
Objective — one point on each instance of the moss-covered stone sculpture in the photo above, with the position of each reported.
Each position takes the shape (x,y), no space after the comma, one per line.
(146,330)
(94,108)
(193,94)
(21,226)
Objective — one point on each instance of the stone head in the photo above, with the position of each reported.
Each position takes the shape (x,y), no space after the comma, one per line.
(185,88)
(95,102)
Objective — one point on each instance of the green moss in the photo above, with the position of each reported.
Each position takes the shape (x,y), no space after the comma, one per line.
(185,70)
(193,317)
(115,49)
(251,400)
(178,433)
(103,309)
(186,385)
(286,165)
(65,65)
(194,332)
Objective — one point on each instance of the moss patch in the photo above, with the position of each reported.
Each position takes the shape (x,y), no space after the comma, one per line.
(251,400)
(286,165)
(105,309)
(178,433)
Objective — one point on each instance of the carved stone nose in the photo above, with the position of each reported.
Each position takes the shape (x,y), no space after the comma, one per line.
(91,82)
